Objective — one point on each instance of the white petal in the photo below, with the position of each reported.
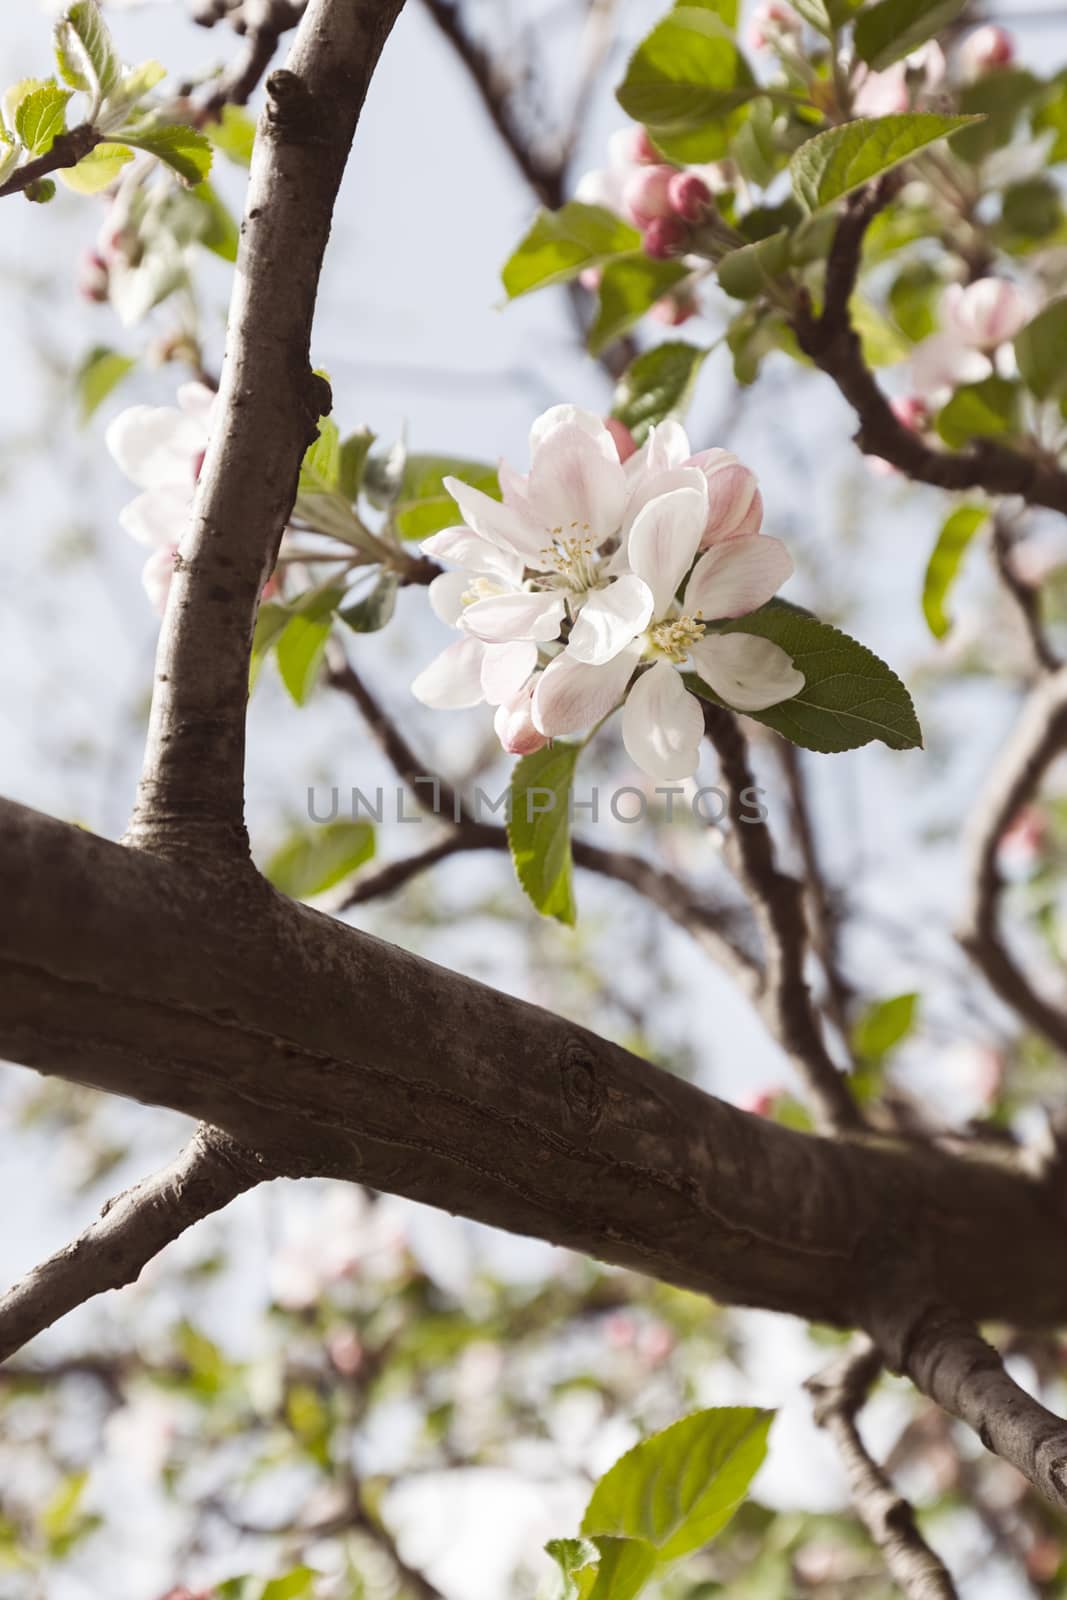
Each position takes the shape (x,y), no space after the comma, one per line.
(664,540)
(454,678)
(652,485)
(662,724)
(941,363)
(156,446)
(506,668)
(445,595)
(571,696)
(156,576)
(198,401)
(610,619)
(158,516)
(737,577)
(466,549)
(574,486)
(527,615)
(512,485)
(668,446)
(572,417)
(747,672)
(502,525)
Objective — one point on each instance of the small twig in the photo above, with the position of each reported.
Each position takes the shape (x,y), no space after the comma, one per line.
(1024,595)
(1039,736)
(778,901)
(67,150)
(210,1172)
(840,1391)
(261,24)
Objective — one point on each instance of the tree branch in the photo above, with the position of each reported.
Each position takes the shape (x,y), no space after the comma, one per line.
(66,151)
(1024,595)
(840,1392)
(1039,736)
(210,1172)
(778,901)
(191,792)
(261,24)
(832,343)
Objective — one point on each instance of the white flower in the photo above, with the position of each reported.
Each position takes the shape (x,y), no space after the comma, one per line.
(161,450)
(977,320)
(884,94)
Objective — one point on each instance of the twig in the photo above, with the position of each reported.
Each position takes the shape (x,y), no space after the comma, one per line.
(840,1392)
(66,151)
(778,901)
(261,23)
(1039,736)
(210,1172)
(1024,595)
(832,343)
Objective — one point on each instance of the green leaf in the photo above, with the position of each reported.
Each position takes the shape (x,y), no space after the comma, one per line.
(752,269)
(885,1025)
(220,232)
(102,370)
(849,698)
(979,410)
(301,643)
(656,385)
(842,159)
(353,459)
(424,506)
(913,297)
(375,608)
(61,1510)
(1041,351)
(301,1581)
(891,29)
(946,557)
(625,1567)
(85,50)
(316,858)
(271,621)
(629,285)
(1000,97)
(577,1560)
(684,82)
(320,470)
(560,244)
(882,345)
(41,117)
(132,90)
(234,134)
(1051,115)
(539,828)
(677,1489)
(96,170)
(186,151)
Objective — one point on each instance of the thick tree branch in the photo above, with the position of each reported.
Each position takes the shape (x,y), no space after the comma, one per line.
(66,151)
(778,901)
(1039,736)
(331,1052)
(840,1392)
(210,1172)
(832,343)
(192,784)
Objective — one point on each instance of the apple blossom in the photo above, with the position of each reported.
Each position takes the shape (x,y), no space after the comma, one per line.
(674,309)
(771,24)
(646,194)
(885,94)
(689,196)
(664,237)
(514,724)
(986,313)
(986,49)
(93,277)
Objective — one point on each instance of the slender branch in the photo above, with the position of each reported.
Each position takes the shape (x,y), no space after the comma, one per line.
(840,1392)
(210,1172)
(1039,736)
(1024,595)
(947,1359)
(822,915)
(778,901)
(66,151)
(261,23)
(833,345)
(190,798)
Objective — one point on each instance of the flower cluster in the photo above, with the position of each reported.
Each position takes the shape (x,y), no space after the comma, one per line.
(662,200)
(593,580)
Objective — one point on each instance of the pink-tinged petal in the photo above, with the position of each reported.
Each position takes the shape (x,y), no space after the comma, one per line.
(575,487)
(662,724)
(514,725)
(941,363)
(158,516)
(610,619)
(445,595)
(746,672)
(737,577)
(156,446)
(513,486)
(733,495)
(527,615)
(506,668)
(454,678)
(650,486)
(571,696)
(664,540)
(668,446)
(505,526)
(466,549)
(157,574)
(572,417)
(601,188)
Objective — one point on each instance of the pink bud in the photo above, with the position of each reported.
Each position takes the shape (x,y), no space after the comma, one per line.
(912,412)
(760,1104)
(93,277)
(986,313)
(735,505)
(689,196)
(345,1351)
(665,237)
(590,277)
(673,310)
(625,443)
(514,724)
(640,149)
(986,49)
(646,194)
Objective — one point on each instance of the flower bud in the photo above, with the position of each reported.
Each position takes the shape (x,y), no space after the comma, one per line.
(674,309)
(911,411)
(625,443)
(984,314)
(735,505)
(761,1103)
(985,50)
(514,724)
(689,196)
(665,237)
(638,148)
(646,194)
(590,277)
(93,277)
(770,24)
